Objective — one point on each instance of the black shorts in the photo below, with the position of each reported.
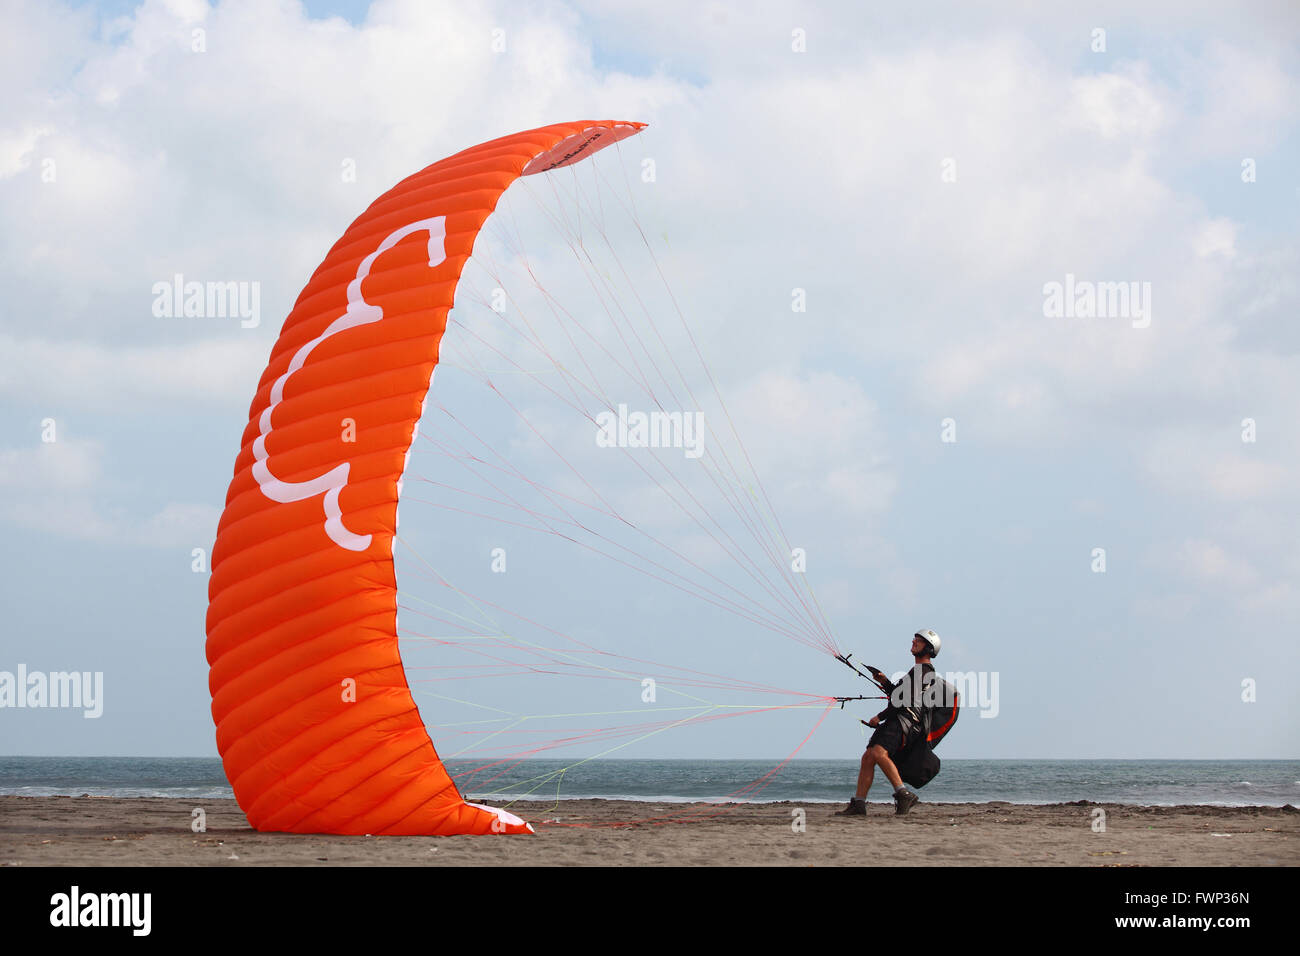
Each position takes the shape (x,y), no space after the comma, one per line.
(892,736)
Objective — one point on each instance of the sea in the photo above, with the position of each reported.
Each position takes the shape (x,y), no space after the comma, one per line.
(1270,783)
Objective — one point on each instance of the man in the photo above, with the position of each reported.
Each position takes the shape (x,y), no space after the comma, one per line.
(896,727)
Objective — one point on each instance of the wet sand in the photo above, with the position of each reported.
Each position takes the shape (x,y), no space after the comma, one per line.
(113,831)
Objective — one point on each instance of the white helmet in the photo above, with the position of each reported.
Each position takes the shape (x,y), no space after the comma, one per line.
(932,639)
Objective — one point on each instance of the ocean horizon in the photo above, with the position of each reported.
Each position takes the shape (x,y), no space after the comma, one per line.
(1270,783)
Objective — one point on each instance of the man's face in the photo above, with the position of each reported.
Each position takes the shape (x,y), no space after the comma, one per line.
(919,647)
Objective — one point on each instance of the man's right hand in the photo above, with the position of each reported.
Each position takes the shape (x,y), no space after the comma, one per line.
(873,722)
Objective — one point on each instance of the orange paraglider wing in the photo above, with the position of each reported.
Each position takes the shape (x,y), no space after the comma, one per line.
(316,726)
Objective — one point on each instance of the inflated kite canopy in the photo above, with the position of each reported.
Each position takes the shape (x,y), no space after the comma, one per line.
(316,725)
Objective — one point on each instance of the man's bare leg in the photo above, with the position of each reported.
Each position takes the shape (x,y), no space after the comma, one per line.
(874,756)
(886,764)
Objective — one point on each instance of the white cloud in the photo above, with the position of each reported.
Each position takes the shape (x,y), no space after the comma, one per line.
(61,464)
(819,439)
(17,148)
(1217,237)
(1229,578)
(1211,563)
(57,488)
(211,371)
(1119,105)
(1244,98)
(178,525)
(1202,463)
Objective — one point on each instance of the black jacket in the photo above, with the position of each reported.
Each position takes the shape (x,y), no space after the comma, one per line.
(923,700)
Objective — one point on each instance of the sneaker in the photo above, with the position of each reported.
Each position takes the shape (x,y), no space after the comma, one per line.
(856,808)
(905,800)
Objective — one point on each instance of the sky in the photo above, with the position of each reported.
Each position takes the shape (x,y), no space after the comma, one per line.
(925,177)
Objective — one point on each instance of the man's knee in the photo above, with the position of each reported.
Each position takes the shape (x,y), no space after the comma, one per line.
(873,754)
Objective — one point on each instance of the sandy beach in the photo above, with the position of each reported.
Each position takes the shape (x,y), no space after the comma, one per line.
(113,831)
